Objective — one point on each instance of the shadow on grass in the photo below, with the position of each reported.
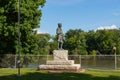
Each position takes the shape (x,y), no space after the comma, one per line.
(57,76)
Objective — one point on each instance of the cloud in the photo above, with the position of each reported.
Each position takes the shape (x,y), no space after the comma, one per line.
(107,27)
(41,31)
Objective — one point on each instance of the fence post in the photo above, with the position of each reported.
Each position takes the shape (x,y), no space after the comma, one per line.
(80,59)
(114,50)
(115,61)
(15,62)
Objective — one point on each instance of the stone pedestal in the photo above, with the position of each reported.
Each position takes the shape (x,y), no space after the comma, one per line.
(60,62)
(60,54)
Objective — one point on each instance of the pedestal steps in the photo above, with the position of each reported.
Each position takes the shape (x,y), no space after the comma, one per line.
(60,67)
(60,62)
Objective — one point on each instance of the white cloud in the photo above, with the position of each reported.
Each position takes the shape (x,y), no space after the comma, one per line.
(41,31)
(107,27)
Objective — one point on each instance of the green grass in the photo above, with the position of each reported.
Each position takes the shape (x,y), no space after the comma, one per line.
(33,74)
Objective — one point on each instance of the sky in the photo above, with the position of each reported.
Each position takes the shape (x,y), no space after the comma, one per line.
(79,14)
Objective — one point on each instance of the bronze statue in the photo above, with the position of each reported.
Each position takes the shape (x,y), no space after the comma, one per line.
(59,33)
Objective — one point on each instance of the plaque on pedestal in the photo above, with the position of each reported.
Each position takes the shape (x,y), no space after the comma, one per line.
(60,54)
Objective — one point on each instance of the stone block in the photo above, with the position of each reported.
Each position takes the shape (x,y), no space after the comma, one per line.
(60,67)
(60,54)
(60,62)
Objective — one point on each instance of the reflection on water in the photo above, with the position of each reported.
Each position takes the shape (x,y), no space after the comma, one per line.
(86,61)
(96,62)
(99,62)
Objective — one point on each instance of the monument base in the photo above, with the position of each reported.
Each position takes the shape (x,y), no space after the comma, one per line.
(60,62)
(60,67)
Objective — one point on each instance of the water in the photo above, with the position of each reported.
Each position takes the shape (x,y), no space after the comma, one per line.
(86,61)
(96,62)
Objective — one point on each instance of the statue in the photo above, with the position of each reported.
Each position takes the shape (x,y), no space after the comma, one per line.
(59,36)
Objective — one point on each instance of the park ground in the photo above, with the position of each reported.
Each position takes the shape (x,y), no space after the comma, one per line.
(34,74)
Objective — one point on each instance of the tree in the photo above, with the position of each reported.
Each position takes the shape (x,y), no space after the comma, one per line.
(53,44)
(116,40)
(43,43)
(75,41)
(30,17)
(91,41)
(105,39)
(102,41)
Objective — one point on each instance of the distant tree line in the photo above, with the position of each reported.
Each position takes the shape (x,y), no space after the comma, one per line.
(100,42)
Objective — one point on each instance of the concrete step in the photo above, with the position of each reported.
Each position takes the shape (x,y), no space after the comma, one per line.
(60,62)
(60,67)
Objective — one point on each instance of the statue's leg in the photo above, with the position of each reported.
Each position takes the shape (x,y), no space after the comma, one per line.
(61,45)
(58,45)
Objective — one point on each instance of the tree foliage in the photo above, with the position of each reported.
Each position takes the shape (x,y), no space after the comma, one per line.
(103,41)
(92,42)
(30,17)
(75,41)
(43,43)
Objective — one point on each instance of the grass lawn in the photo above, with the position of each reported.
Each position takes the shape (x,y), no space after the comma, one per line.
(33,74)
